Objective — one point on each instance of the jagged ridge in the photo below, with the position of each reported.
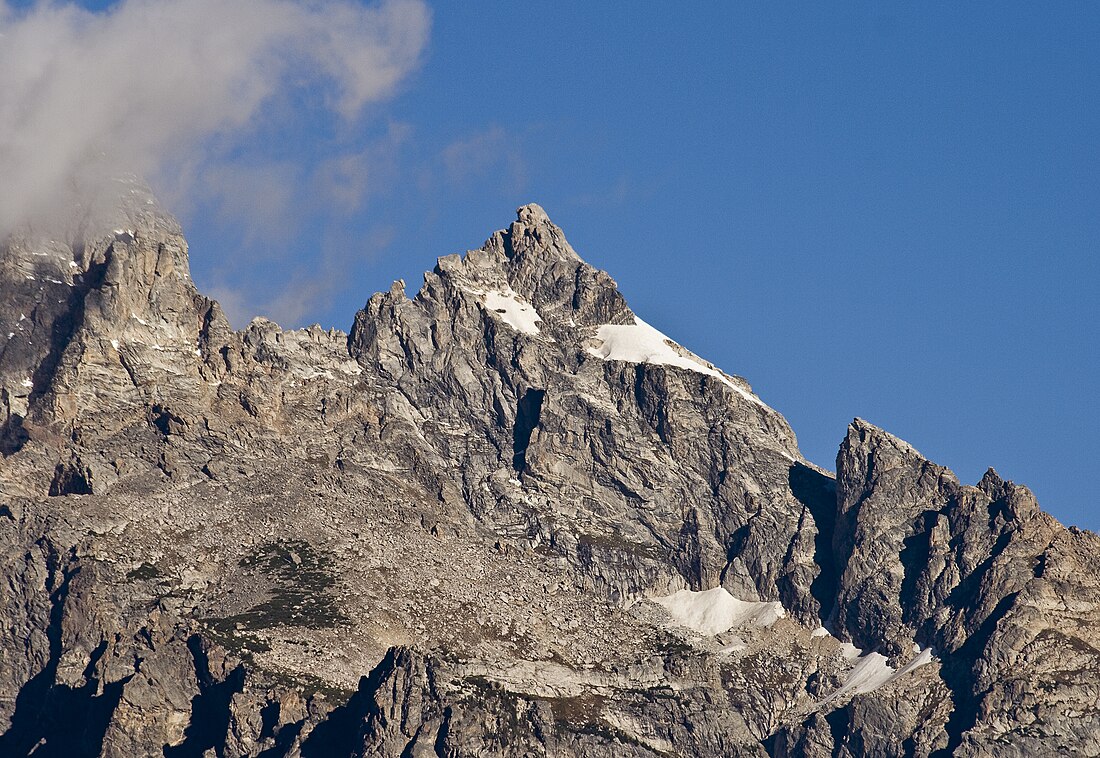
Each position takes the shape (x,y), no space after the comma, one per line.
(442,532)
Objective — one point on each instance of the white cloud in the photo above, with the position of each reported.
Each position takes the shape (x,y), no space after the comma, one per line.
(490,151)
(344,181)
(164,87)
(258,199)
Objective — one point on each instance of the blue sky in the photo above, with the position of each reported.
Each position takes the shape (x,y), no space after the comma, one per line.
(881,210)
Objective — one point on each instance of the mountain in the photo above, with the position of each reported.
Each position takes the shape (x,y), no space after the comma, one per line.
(503,517)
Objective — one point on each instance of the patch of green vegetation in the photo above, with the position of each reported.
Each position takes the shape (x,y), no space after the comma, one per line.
(757,670)
(545,548)
(143,573)
(661,692)
(244,645)
(1076,644)
(490,696)
(604,731)
(485,688)
(300,596)
(239,643)
(671,646)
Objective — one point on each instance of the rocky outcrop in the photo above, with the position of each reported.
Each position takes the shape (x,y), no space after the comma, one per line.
(502,517)
(1004,594)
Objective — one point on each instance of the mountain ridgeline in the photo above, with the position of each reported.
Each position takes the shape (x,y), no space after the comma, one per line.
(503,517)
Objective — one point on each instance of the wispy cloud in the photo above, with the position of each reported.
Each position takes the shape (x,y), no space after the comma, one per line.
(624,190)
(346,180)
(299,231)
(491,151)
(169,88)
(258,199)
(336,252)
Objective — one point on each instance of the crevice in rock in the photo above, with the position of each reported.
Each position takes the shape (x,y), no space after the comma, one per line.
(488,339)
(210,709)
(208,311)
(93,660)
(839,722)
(737,543)
(444,732)
(54,720)
(284,740)
(957,672)
(393,707)
(817,493)
(341,732)
(914,556)
(13,435)
(998,510)
(65,327)
(71,478)
(509,246)
(966,594)
(1038,569)
(269,719)
(650,402)
(164,420)
(528,413)
(688,557)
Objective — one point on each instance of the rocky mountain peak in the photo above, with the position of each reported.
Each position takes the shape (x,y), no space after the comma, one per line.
(91,214)
(533,233)
(533,260)
(502,517)
(106,292)
(532,216)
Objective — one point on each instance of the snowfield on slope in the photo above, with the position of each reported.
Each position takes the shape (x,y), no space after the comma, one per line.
(715,611)
(641,343)
(871,670)
(513,310)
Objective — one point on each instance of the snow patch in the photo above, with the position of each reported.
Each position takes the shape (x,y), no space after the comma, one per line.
(27,383)
(715,611)
(871,670)
(512,310)
(641,343)
(923,657)
(850,651)
(868,674)
(819,632)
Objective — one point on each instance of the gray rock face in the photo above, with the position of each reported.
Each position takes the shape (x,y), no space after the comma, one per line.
(503,517)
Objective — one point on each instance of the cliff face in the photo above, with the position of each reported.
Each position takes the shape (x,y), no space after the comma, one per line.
(503,517)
